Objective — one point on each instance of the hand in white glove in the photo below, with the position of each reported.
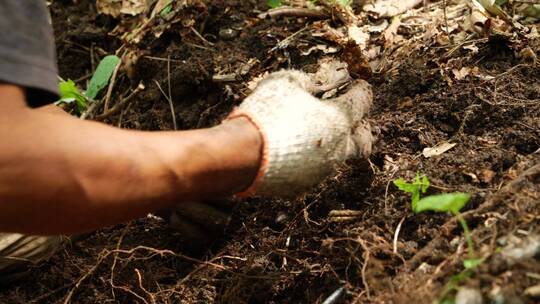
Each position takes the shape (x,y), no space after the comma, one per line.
(304,137)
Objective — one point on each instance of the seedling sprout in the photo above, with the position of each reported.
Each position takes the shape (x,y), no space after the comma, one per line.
(446,202)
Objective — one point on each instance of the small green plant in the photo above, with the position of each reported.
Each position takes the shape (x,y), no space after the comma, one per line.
(419,185)
(446,202)
(452,202)
(274,3)
(70,93)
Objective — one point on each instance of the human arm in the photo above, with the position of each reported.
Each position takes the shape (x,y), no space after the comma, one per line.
(59,174)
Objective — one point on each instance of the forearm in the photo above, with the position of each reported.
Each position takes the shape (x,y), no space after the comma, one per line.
(59,174)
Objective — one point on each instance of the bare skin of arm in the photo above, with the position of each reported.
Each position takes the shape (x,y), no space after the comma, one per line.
(59,174)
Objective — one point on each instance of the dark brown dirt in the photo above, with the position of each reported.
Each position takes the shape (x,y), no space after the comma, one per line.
(290,251)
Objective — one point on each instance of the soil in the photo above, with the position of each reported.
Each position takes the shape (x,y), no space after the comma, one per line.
(292,251)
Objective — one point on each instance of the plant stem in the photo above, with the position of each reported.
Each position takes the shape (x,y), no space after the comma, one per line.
(466,231)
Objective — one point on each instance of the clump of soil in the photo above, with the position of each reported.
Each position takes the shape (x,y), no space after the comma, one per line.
(283,251)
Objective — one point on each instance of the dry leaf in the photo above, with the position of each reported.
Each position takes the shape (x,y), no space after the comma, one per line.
(360,37)
(438,149)
(116,8)
(473,48)
(487,176)
(390,34)
(461,73)
(321,47)
(378,28)
(390,8)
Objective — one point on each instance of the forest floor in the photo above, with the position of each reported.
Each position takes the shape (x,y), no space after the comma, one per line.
(438,78)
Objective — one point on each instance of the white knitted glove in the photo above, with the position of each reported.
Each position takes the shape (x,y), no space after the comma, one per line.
(305,137)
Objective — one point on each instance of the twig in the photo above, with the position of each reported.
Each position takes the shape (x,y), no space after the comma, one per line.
(170,102)
(119,125)
(201,36)
(334,296)
(90,111)
(67,300)
(50,293)
(105,253)
(170,94)
(117,107)
(110,88)
(285,42)
(396,234)
(132,293)
(83,78)
(164,59)
(139,277)
(386,193)
(118,244)
(294,12)
(446,21)
(92,60)
(364,267)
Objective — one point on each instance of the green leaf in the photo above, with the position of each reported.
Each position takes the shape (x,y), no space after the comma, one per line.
(424,184)
(405,186)
(447,202)
(165,11)
(414,200)
(274,3)
(102,75)
(69,93)
(533,11)
(471,263)
(414,188)
(344,2)
(491,6)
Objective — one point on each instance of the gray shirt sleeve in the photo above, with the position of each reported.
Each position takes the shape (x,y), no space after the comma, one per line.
(27,51)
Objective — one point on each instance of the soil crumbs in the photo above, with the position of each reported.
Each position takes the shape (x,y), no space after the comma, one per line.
(484,96)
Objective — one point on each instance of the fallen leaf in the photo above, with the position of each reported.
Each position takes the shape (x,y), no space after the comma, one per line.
(379,27)
(116,8)
(390,8)
(390,34)
(487,176)
(473,48)
(478,21)
(321,47)
(357,61)
(462,73)
(438,149)
(490,6)
(360,37)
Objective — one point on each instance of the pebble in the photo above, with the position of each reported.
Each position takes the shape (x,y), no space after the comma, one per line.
(533,291)
(227,34)
(499,296)
(466,295)
(281,218)
(426,268)
(520,249)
